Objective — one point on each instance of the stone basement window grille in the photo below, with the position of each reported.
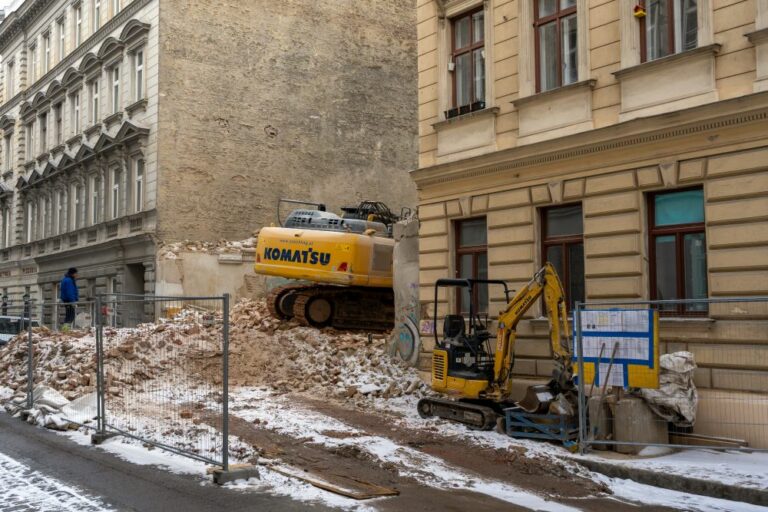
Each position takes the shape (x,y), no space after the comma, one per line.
(92,235)
(137,224)
(112,230)
(73,240)
(57,244)
(28,250)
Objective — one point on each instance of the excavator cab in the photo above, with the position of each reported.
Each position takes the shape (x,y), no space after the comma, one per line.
(466,342)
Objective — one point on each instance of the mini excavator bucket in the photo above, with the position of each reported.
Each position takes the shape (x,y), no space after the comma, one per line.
(537,399)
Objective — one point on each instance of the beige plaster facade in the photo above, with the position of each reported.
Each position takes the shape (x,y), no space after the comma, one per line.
(623,130)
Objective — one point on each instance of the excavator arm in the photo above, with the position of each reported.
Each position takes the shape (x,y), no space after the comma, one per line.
(545,282)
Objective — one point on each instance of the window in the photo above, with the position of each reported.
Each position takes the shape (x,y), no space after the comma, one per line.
(6,227)
(556,43)
(30,221)
(94,92)
(78,33)
(95,200)
(10,81)
(563,246)
(138,75)
(46,52)
(61,217)
(46,218)
(468,62)
(43,132)
(678,250)
(96,15)
(75,113)
(116,196)
(139,192)
(472,262)
(79,200)
(115,7)
(32,64)
(8,150)
(60,30)
(115,90)
(58,124)
(670,26)
(30,141)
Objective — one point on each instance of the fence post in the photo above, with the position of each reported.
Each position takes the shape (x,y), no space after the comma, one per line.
(27,316)
(582,399)
(225,383)
(99,369)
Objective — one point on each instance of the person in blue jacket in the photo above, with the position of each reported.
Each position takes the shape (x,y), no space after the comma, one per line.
(69,295)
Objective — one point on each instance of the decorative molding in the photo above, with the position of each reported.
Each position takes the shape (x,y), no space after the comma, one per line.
(546,95)
(113,119)
(651,64)
(538,154)
(129,10)
(757,36)
(96,128)
(493,111)
(139,106)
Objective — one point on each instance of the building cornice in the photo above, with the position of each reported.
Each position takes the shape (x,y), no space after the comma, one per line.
(752,108)
(122,17)
(19,19)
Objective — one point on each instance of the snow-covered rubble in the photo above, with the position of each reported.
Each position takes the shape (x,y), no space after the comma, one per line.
(172,251)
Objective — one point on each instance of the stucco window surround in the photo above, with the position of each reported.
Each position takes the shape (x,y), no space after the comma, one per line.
(571,103)
(473,133)
(759,37)
(675,82)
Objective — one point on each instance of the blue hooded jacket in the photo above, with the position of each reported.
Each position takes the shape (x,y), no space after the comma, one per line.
(68,292)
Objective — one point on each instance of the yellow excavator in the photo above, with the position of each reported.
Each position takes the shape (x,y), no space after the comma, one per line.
(340,266)
(478,376)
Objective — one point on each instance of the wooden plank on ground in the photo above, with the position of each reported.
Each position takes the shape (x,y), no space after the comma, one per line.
(339,484)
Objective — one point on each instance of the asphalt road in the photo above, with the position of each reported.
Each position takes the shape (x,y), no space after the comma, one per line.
(38,466)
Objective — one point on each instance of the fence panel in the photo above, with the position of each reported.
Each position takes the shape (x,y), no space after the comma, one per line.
(165,382)
(712,364)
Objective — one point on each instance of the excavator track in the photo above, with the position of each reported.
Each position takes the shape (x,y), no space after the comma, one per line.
(476,416)
(353,307)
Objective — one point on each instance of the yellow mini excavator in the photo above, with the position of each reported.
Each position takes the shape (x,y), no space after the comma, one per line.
(478,376)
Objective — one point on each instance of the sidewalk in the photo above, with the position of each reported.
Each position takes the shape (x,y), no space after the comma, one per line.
(736,476)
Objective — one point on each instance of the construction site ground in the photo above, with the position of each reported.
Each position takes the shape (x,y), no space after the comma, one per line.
(323,411)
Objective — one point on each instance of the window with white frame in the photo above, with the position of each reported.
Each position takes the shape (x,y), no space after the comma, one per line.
(30,145)
(46,220)
(75,102)
(96,15)
(138,75)
(115,7)
(669,26)
(46,52)
(79,202)
(43,132)
(58,123)
(94,100)
(6,227)
(61,32)
(78,31)
(115,89)
(61,216)
(95,200)
(116,195)
(30,220)
(32,63)
(10,80)
(139,185)
(8,152)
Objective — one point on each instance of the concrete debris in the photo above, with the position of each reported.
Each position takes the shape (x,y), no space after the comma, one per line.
(172,251)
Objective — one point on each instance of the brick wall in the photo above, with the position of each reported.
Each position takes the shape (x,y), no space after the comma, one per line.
(298,98)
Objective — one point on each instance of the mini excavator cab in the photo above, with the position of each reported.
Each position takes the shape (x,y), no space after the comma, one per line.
(467,342)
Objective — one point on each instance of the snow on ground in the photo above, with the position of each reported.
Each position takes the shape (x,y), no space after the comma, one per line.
(6,393)
(23,488)
(733,468)
(648,495)
(279,415)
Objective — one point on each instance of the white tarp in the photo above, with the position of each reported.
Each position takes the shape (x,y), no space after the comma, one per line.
(677,398)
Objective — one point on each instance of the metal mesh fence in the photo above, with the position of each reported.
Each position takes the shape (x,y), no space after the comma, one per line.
(684,374)
(165,382)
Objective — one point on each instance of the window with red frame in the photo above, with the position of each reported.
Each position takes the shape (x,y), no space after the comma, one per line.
(556,43)
(563,246)
(668,27)
(472,263)
(468,62)
(678,249)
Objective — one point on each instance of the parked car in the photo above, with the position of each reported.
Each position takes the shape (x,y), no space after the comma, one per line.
(10,326)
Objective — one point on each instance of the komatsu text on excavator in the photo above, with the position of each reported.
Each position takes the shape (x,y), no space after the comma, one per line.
(477,375)
(341,264)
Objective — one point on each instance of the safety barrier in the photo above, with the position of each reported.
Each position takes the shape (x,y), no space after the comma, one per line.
(673,373)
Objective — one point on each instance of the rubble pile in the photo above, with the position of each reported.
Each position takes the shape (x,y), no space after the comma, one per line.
(173,250)
(291,358)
